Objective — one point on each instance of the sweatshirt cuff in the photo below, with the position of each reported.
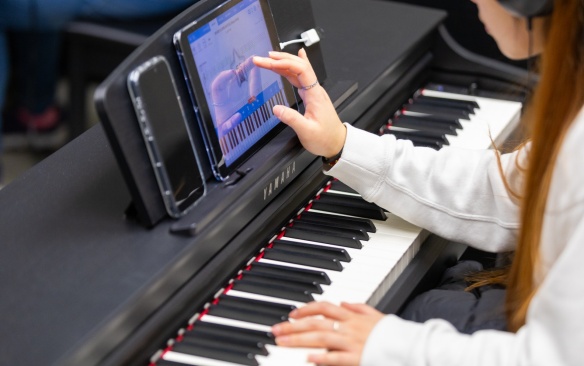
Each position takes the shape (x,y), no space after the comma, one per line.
(365,158)
(391,342)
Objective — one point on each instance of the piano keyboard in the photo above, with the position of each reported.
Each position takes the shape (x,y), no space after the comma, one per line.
(251,129)
(326,253)
(337,248)
(435,119)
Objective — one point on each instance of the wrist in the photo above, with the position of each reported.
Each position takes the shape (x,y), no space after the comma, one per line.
(337,144)
(331,161)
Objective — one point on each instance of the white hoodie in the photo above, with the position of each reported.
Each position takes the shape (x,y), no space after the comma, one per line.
(459,195)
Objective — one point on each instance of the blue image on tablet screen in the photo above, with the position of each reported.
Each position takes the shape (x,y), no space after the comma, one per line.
(240,95)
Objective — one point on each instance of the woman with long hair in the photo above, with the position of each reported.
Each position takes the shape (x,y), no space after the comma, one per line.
(530,201)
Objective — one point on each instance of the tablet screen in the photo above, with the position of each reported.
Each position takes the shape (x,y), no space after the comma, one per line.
(234,97)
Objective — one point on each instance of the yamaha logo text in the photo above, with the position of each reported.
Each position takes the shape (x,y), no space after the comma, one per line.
(279,181)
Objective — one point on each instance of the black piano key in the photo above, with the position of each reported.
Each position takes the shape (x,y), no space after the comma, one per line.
(247,315)
(300,274)
(272,288)
(253,345)
(468,105)
(434,145)
(231,139)
(168,363)
(350,200)
(347,205)
(343,232)
(336,221)
(311,286)
(329,252)
(241,132)
(417,141)
(454,122)
(202,341)
(237,132)
(422,136)
(246,127)
(421,124)
(227,330)
(287,282)
(256,305)
(304,259)
(217,353)
(249,345)
(337,185)
(322,238)
(437,111)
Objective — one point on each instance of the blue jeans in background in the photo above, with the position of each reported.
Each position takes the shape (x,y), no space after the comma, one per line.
(34,27)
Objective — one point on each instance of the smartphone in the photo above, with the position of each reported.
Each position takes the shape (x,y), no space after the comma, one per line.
(166,134)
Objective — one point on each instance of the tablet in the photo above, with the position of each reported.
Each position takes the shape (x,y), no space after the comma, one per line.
(233,98)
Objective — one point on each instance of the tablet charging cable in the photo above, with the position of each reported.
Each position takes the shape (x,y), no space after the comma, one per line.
(309,38)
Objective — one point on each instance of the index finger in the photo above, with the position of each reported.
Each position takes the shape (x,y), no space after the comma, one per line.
(321,308)
(296,69)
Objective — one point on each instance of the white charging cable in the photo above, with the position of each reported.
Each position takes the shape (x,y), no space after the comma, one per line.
(309,38)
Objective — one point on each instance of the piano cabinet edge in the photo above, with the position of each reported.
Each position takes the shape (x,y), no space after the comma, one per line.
(435,255)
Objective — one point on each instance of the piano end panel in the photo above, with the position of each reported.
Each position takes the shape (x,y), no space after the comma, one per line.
(434,254)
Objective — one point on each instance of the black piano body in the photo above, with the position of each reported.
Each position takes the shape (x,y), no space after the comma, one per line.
(84,285)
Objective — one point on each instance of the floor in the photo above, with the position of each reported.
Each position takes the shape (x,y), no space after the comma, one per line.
(15,163)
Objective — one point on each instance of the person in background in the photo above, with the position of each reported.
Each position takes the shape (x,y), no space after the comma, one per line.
(29,60)
(530,201)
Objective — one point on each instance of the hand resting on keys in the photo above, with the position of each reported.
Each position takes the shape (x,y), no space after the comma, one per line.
(343,331)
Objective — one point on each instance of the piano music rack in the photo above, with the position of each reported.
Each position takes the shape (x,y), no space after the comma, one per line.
(116,112)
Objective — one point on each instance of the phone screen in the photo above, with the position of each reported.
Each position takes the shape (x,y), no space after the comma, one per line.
(166,135)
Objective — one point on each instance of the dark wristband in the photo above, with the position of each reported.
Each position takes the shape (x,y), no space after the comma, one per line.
(330,162)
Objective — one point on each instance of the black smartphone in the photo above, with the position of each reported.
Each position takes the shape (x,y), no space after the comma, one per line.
(166,134)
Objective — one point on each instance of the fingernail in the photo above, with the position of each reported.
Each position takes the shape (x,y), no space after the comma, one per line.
(276,329)
(283,340)
(293,313)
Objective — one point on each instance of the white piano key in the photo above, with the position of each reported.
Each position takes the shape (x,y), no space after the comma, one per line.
(394,225)
(285,356)
(235,323)
(341,193)
(253,296)
(194,360)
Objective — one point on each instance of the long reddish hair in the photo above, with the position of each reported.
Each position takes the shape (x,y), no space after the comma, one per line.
(556,102)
